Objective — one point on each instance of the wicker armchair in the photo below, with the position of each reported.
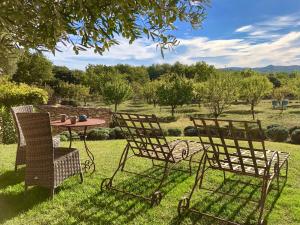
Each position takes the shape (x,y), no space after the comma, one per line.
(21,153)
(46,166)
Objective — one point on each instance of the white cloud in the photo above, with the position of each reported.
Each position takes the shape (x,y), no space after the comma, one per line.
(262,44)
(244,28)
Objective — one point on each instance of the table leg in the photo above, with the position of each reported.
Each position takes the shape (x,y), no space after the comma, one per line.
(88,164)
(70,137)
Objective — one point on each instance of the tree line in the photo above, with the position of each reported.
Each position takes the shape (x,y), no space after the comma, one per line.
(161,84)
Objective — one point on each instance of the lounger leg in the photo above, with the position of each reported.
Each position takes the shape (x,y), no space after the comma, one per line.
(120,166)
(262,200)
(224,177)
(157,195)
(184,203)
(125,157)
(190,164)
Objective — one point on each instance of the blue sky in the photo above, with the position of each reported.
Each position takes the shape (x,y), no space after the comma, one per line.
(235,33)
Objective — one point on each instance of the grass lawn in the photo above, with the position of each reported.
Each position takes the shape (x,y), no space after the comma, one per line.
(264,112)
(77,203)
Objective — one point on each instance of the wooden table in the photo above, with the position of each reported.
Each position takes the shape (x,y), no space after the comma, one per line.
(88,164)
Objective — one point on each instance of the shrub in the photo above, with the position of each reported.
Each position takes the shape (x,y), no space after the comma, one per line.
(273,125)
(256,133)
(65,136)
(295,136)
(190,131)
(277,133)
(168,119)
(174,132)
(98,134)
(293,128)
(12,94)
(118,133)
(69,102)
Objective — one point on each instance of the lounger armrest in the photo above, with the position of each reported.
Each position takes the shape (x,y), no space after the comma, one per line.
(274,157)
(185,152)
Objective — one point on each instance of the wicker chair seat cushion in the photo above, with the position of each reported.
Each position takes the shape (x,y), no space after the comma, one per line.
(249,165)
(181,149)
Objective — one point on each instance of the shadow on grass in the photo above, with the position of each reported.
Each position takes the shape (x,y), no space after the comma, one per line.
(136,110)
(12,205)
(241,206)
(119,208)
(294,112)
(10,178)
(241,112)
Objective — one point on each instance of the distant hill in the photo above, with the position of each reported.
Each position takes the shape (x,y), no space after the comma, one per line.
(268,69)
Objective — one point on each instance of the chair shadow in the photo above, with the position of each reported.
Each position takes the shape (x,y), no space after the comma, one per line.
(13,204)
(120,208)
(210,204)
(10,178)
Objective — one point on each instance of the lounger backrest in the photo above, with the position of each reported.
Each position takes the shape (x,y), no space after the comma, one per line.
(144,135)
(235,145)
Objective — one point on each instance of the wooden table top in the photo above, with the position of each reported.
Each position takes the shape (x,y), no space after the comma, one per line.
(90,122)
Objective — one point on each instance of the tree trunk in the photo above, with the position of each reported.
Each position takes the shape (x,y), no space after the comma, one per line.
(252,111)
(173,110)
(116,107)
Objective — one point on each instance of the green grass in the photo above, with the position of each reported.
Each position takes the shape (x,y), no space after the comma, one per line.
(264,112)
(77,203)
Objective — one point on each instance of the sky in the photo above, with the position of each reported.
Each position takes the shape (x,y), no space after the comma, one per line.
(235,33)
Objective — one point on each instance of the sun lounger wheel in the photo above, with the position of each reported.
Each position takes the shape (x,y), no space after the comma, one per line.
(156,198)
(106,184)
(183,205)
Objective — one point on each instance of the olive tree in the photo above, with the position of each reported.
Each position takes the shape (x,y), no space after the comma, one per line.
(253,89)
(116,91)
(150,92)
(174,90)
(199,92)
(95,24)
(221,89)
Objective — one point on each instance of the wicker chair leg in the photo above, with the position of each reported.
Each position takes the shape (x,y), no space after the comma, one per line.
(52,191)
(26,187)
(81,177)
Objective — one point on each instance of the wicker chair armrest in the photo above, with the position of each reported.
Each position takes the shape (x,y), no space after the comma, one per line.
(61,152)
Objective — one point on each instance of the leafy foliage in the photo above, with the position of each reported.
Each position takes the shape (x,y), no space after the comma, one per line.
(199,92)
(116,91)
(33,69)
(97,24)
(221,89)
(253,89)
(12,94)
(150,92)
(174,90)
(73,91)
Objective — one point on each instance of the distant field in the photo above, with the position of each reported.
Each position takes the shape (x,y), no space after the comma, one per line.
(264,112)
